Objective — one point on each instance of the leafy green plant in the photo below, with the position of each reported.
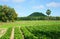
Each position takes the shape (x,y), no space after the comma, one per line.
(27,34)
(17,33)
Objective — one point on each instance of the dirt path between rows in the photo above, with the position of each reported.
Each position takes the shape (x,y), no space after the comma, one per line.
(12,34)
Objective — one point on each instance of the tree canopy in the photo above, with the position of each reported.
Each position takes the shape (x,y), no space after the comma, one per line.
(7,13)
(48,12)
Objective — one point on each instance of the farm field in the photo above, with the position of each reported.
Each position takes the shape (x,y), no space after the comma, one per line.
(30,30)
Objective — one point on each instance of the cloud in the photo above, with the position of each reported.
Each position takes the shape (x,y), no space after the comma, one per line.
(38,7)
(53,4)
(18,1)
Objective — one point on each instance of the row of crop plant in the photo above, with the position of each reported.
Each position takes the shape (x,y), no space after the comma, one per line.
(45,32)
(17,33)
(27,34)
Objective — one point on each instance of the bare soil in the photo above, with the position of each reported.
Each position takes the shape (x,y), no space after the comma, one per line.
(2,31)
(12,34)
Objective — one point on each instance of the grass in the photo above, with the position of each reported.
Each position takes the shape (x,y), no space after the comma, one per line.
(28,23)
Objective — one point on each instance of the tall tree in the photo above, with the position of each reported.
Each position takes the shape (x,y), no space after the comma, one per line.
(48,12)
(7,13)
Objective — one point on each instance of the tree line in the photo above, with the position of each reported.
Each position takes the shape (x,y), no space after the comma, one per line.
(39,18)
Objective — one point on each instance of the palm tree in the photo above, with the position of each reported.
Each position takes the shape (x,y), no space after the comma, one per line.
(48,12)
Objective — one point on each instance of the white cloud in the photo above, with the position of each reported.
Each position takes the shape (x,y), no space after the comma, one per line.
(53,4)
(18,1)
(38,7)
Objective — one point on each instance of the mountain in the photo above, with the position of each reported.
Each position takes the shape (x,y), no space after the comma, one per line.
(36,14)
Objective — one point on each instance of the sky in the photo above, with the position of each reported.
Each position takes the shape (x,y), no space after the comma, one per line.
(26,7)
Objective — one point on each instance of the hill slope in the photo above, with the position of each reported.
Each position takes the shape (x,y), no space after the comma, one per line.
(36,14)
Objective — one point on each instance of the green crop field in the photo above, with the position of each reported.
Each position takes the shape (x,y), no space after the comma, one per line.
(30,30)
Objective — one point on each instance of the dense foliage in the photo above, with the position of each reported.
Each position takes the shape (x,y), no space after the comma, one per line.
(7,13)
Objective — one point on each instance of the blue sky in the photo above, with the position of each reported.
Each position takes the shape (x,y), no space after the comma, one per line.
(26,7)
